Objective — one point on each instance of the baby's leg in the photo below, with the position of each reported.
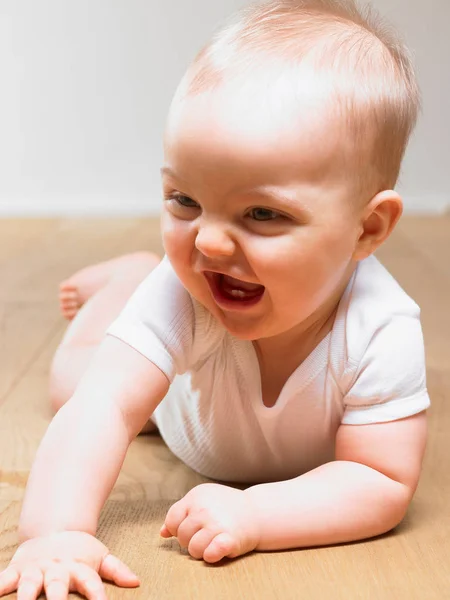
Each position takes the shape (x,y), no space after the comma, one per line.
(78,289)
(98,295)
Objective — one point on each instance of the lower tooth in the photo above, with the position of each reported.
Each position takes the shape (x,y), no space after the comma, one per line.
(238,293)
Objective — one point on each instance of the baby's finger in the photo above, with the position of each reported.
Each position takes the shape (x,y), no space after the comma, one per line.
(199,542)
(30,584)
(88,582)
(115,570)
(222,545)
(175,516)
(56,582)
(187,529)
(164,532)
(9,578)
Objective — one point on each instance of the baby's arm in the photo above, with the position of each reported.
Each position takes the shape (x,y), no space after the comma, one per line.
(364,493)
(83,450)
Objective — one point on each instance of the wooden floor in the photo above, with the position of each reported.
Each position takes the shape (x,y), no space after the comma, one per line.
(412,562)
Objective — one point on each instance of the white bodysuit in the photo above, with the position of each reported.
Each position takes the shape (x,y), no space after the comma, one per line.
(369,369)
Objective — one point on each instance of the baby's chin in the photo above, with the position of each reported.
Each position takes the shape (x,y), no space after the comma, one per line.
(244,327)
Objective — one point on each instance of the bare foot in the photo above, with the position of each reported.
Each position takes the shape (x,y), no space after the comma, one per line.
(77,289)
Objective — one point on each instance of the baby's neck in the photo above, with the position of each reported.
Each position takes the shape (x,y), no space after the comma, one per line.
(293,347)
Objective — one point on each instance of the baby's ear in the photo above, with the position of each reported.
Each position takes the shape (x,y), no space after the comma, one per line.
(377,223)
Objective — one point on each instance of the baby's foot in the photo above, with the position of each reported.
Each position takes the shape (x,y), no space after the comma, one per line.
(83,284)
(69,301)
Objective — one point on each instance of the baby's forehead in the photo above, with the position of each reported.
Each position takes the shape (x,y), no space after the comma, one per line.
(263,115)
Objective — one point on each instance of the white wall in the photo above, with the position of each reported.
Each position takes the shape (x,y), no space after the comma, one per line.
(425,179)
(86,86)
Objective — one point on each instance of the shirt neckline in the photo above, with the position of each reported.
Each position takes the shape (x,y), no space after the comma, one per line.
(296,382)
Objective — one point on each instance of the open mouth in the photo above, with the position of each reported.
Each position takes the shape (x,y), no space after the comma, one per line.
(234,292)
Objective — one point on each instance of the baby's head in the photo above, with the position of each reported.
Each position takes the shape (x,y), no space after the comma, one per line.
(330,52)
(315,99)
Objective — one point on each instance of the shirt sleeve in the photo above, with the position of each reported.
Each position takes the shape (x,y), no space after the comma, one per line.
(158,321)
(390,380)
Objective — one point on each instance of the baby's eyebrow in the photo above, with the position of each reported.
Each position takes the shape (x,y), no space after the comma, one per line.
(169,171)
(285,200)
(263,190)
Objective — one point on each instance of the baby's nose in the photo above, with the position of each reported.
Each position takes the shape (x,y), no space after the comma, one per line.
(213,241)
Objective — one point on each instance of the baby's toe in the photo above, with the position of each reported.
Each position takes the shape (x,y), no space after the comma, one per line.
(69,301)
(69,306)
(69,316)
(66,284)
(67,287)
(69,297)
(68,312)
(68,291)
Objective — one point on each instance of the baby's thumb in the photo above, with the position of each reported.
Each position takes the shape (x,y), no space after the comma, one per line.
(113,569)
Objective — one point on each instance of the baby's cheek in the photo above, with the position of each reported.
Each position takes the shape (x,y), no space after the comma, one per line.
(168,228)
(179,248)
(175,239)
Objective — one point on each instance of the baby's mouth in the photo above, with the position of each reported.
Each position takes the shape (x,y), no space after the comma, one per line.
(231,289)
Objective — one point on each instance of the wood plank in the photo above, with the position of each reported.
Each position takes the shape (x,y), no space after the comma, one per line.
(24,321)
(430,236)
(25,331)
(17,235)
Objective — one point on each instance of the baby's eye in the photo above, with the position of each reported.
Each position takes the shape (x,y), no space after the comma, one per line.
(263,214)
(184,201)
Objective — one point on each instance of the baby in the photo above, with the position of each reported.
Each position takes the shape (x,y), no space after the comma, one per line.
(269,346)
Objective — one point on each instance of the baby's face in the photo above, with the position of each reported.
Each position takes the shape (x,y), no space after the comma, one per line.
(258,221)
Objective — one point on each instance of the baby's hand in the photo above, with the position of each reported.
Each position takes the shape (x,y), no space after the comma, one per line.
(55,564)
(213,521)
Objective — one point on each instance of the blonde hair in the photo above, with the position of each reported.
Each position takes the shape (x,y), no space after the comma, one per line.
(371,69)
